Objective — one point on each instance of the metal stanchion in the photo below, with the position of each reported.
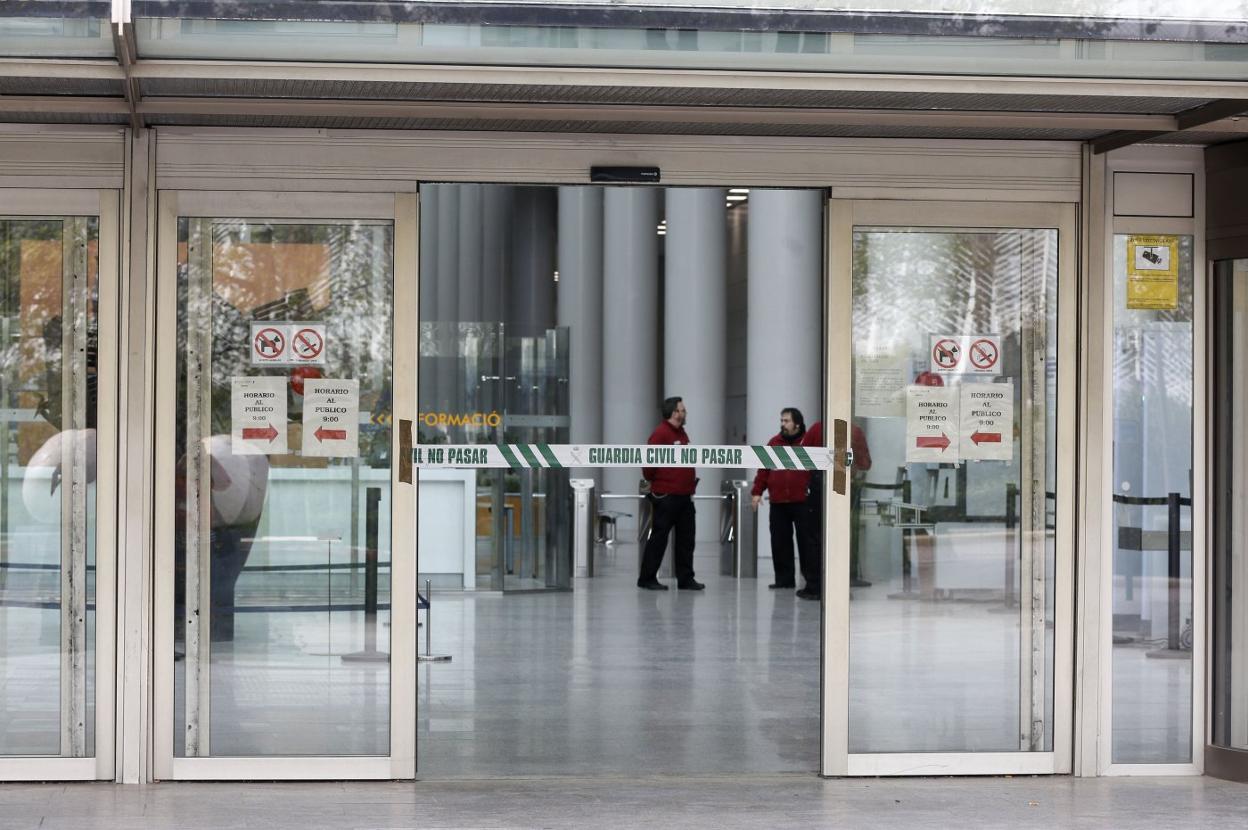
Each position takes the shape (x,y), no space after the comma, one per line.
(429,656)
(583,521)
(370,654)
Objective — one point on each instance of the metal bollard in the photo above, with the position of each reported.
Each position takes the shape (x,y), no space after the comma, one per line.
(429,656)
(583,521)
(370,653)
(738,556)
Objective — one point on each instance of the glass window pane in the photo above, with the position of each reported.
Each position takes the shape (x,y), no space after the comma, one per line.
(55,37)
(1152,491)
(675,48)
(952,546)
(48,326)
(282,545)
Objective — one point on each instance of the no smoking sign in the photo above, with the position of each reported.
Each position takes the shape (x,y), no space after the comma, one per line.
(966,354)
(287,344)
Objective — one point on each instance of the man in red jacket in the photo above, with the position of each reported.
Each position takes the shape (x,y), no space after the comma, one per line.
(789,512)
(671,496)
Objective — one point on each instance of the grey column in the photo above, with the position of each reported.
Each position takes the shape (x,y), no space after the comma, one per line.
(531,302)
(430,197)
(784,316)
(630,332)
(495,249)
(471,253)
(695,321)
(448,294)
(580,308)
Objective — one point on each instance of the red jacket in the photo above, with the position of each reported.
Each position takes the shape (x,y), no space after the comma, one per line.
(670,481)
(857,440)
(786,486)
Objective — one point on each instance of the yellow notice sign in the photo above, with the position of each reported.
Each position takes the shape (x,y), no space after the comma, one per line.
(1152,272)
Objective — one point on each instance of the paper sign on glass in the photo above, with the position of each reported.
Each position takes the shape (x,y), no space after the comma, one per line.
(331,418)
(932,424)
(258,416)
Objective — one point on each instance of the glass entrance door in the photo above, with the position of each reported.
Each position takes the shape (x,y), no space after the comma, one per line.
(285,560)
(57,445)
(950,574)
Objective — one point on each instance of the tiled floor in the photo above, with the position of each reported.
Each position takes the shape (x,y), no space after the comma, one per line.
(639,801)
(610,680)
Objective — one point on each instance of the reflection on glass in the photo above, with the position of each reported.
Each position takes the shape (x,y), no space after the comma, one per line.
(55,37)
(48,336)
(493,369)
(951,648)
(1230,476)
(1152,490)
(621,46)
(282,546)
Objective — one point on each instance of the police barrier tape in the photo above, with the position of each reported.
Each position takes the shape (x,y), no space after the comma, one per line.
(555,456)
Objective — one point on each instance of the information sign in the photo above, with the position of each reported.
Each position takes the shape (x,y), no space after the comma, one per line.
(331,418)
(258,416)
(932,424)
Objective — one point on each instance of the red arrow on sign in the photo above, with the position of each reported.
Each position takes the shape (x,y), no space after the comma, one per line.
(986,437)
(925,441)
(256,433)
(323,434)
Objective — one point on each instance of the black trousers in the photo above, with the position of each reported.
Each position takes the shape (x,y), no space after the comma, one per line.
(789,519)
(670,512)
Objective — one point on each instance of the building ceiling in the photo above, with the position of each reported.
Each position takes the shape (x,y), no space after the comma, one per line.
(628,101)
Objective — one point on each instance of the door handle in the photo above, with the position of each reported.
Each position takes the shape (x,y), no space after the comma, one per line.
(842,455)
(405,451)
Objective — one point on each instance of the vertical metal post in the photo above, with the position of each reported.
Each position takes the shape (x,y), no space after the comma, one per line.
(509,530)
(198,600)
(372,514)
(6,400)
(907,538)
(1174,568)
(1011,544)
(355,523)
(1033,395)
(74,489)
(429,656)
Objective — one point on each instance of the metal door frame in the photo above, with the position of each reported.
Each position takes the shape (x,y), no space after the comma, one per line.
(843,216)
(105,205)
(401,209)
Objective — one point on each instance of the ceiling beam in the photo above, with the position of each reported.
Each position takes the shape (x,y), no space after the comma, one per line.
(1211,112)
(64,105)
(1218,116)
(127,54)
(505,111)
(466,74)
(1123,138)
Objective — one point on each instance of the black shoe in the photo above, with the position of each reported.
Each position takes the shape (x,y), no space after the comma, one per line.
(652,585)
(856,582)
(773,586)
(806,593)
(691,585)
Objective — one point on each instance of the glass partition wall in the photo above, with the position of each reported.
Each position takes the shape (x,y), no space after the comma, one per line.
(57,399)
(1152,499)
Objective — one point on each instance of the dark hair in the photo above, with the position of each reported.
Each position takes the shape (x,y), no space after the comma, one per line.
(796,414)
(669,406)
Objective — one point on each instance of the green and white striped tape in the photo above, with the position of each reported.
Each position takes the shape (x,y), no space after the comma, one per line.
(556,456)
